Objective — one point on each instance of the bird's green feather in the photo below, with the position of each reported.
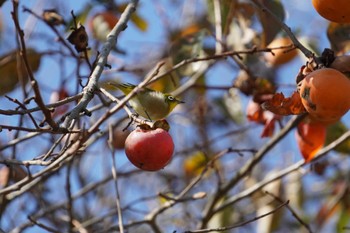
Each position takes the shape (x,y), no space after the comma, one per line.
(149,103)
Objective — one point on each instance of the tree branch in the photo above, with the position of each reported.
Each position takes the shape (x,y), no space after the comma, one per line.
(285,27)
(247,167)
(92,85)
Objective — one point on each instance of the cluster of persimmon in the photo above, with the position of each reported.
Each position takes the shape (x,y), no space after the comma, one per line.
(324,94)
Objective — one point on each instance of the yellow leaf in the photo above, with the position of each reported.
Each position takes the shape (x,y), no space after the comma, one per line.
(139,22)
(195,163)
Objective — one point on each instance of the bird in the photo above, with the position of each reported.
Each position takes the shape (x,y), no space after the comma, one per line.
(148,103)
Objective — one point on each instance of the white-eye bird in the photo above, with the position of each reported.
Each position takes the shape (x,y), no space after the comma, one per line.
(148,103)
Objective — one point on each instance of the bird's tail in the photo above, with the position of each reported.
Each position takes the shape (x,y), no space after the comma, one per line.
(126,88)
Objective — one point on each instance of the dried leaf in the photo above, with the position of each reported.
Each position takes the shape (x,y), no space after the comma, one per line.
(269,128)
(14,173)
(79,38)
(280,105)
(11,75)
(257,114)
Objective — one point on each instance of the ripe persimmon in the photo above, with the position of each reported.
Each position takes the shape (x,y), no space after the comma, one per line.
(334,10)
(280,56)
(325,94)
(310,137)
(149,150)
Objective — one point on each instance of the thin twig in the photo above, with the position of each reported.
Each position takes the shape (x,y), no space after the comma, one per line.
(285,27)
(151,217)
(38,98)
(240,224)
(127,110)
(123,101)
(92,85)
(11,112)
(47,228)
(53,28)
(39,130)
(115,178)
(278,175)
(69,197)
(295,215)
(24,108)
(247,167)
(218,27)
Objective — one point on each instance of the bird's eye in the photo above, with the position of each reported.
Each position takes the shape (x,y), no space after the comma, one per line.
(171,98)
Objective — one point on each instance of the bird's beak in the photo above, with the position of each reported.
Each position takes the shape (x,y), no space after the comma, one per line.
(180,101)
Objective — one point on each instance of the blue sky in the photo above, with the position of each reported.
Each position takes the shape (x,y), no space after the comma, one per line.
(300,17)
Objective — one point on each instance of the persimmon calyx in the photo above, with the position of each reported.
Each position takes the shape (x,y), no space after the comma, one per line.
(306,96)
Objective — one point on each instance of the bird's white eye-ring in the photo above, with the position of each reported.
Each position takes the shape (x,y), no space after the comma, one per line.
(171,98)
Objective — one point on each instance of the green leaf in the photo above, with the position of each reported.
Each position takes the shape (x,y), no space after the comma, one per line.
(334,132)
(270,27)
(339,37)
(343,220)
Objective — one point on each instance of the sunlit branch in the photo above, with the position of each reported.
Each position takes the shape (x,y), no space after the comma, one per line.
(92,85)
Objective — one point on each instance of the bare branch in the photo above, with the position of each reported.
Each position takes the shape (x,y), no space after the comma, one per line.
(207,214)
(92,85)
(287,29)
(296,216)
(240,224)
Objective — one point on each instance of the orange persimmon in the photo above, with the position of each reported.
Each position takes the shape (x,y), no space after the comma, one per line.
(334,10)
(280,56)
(310,137)
(325,94)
